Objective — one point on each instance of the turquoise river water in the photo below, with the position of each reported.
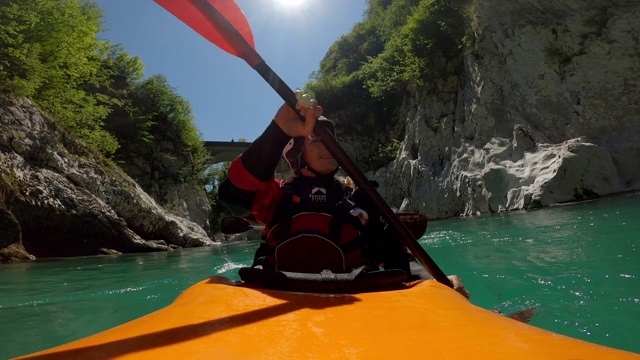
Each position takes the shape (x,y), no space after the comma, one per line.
(577,265)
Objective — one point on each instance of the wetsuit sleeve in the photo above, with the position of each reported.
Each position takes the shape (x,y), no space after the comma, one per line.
(262,157)
(251,187)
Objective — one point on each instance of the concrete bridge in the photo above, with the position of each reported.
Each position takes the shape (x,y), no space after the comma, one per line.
(225,150)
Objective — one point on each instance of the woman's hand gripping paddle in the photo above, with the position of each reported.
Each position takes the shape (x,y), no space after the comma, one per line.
(223,23)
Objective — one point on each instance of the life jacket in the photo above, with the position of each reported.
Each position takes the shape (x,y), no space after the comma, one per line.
(313,231)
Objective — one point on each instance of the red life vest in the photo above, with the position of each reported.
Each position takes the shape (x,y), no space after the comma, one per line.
(312,242)
(312,230)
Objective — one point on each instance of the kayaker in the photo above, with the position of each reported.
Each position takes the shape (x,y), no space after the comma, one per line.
(314,220)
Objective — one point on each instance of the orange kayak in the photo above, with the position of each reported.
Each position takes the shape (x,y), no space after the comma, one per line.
(217,318)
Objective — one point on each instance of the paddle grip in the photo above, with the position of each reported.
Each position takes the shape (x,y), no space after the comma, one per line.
(358,177)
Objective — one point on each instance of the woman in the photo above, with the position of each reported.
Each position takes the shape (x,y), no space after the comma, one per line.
(314,221)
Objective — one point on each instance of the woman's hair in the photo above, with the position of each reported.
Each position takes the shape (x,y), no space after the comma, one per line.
(348,186)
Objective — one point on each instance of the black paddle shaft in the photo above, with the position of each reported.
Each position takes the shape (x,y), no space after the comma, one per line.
(358,177)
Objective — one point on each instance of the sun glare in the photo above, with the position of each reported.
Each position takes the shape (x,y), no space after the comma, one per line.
(290,3)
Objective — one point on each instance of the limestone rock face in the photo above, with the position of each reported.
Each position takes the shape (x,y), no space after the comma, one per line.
(186,201)
(546,111)
(67,201)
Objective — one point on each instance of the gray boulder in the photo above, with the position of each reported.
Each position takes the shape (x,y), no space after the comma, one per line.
(62,199)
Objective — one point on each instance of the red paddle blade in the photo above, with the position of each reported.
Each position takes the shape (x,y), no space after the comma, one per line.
(190,12)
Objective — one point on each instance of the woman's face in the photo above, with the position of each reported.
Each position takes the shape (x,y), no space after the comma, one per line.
(317,156)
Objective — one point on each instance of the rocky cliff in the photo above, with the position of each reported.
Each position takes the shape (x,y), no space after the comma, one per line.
(57,198)
(547,110)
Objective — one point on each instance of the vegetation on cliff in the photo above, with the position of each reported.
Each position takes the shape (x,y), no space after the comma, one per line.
(363,77)
(50,52)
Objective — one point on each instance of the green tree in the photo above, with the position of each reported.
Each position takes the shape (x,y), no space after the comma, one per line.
(49,53)
(126,121)
(164,132)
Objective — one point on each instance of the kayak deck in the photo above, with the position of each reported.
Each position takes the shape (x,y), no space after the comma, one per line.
(216,318)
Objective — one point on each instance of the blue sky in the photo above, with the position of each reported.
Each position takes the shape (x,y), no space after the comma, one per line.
(229,99)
